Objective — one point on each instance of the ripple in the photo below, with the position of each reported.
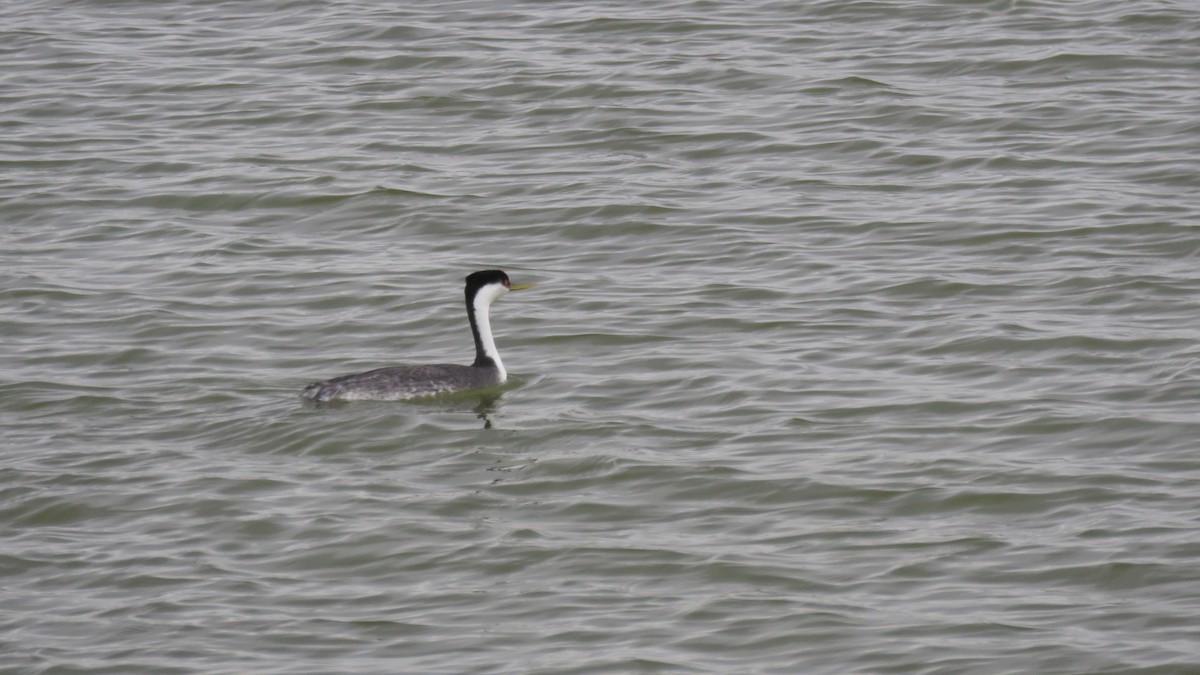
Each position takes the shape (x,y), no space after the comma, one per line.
(863,342)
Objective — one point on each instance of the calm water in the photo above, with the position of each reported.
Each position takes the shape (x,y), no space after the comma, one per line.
(865,337)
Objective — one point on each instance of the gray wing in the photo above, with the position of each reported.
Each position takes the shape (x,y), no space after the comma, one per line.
(400,383)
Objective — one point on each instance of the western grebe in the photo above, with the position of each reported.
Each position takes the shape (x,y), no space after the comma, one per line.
(400,383)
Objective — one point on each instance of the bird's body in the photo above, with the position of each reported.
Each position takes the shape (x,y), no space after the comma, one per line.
(401,383)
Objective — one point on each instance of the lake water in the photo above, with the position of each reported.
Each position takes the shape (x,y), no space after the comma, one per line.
(865,337)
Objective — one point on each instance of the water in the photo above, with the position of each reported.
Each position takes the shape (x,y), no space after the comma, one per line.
(865,337)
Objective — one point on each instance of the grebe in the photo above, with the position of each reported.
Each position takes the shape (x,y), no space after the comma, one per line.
(401,383)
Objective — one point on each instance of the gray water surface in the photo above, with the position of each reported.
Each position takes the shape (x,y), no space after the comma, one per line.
(865,337)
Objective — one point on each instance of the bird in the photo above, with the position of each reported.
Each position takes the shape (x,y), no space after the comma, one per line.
(401,383)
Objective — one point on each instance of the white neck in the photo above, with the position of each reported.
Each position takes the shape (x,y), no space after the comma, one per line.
(483,301)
